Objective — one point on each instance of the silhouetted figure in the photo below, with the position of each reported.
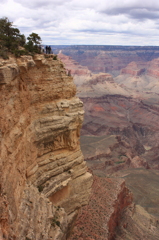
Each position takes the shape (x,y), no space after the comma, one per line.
(49,49)
(46,49)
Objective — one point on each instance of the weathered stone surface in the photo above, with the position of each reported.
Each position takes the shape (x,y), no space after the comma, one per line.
(44,180)
(153,68)
(134,69)
(100,218)
(8,73)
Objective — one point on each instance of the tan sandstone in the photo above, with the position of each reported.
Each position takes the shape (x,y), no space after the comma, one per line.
(44,179)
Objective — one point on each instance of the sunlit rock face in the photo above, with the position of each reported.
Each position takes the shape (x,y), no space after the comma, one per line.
(44,180)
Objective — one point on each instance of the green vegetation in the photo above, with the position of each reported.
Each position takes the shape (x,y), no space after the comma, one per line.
(40,188)
(12,41)
(55,57)
(118,162)
(27,238)
(33,43)
(55,222)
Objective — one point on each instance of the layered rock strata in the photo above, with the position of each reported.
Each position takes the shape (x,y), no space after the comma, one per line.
(133,69)
(44,180)
(108,58)
(153,68)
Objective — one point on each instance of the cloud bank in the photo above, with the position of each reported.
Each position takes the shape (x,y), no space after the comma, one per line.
(101,22)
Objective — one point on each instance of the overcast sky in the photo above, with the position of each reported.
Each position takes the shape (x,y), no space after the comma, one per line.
(95,22)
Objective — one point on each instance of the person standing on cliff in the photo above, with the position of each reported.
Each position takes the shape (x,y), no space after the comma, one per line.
(46,49)
(49,49)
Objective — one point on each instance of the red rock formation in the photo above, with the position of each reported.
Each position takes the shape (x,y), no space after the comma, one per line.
(100,218)
(109,58)
(111,108)
(122,115)
(133,69)
(153,68)
(76,68)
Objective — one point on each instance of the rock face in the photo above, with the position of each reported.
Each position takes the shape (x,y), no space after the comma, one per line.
(134,69)
(43,178)
(153,68)
(100,218)
(140,76)
(108,58)
(75,67)
(90,84)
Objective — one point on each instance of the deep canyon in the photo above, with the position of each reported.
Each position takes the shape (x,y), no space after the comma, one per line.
(119,138)
(80,162)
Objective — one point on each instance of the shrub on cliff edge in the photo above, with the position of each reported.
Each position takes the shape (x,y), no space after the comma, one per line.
(11,40)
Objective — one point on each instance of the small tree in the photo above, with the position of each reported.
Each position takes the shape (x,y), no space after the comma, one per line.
(10,37)
(35,38)
(33,44)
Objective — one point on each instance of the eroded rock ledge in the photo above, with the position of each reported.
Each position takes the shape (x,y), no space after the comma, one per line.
(43,178)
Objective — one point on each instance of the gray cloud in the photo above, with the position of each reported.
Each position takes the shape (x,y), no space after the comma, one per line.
(132,8)
(135,13)
(41,3)
(86,21)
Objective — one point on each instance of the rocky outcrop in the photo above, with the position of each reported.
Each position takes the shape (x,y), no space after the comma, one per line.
(141,221)
(136,223)
(89,84)
(44,180)
(102,215)
(74,67)
(153,68)
(133,69)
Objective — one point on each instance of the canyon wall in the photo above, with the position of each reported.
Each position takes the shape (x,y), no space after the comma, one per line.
(43,178)
(108,58)
(119,139)
(103,214)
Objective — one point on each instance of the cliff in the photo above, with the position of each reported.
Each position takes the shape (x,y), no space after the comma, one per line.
(133,69)
(108,58)
(102,216)
(44,180)
(153,68)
